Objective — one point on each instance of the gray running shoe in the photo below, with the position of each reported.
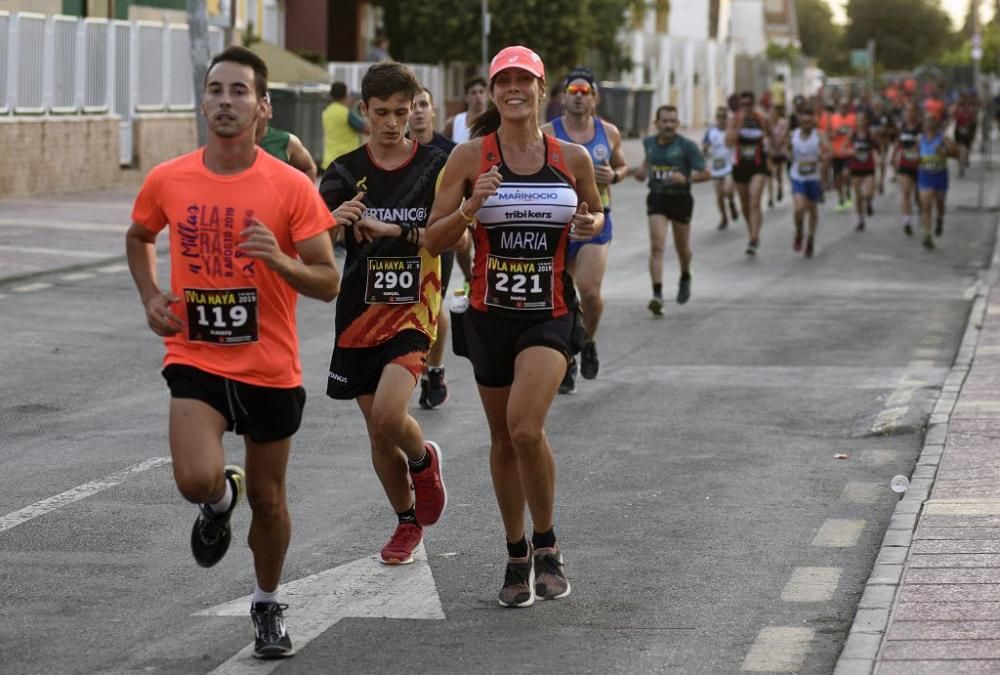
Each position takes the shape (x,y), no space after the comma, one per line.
(550,576)
(518,583)
(568,385)
(271,640)
(589,363)
(684,289)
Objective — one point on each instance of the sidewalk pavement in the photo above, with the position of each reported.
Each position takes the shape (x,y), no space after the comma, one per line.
(932,603)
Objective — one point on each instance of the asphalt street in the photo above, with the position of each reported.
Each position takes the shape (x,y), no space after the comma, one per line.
(707,519)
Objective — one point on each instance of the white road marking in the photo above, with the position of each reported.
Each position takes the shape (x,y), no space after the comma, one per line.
(35,224)
(837,533)
(901,396)
(77,276)
(927,353)
(30,288)
(889,418)
(811,584)
(363,588)
(112,269)
(76,494)
(779,649)
(75,253)
(920,364)
(857,492)
(879,456)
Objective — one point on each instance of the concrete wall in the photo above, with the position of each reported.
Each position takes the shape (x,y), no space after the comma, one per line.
(48,154)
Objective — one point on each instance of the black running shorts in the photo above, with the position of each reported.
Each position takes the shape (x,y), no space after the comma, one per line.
(840,165)
(356,371)
(743,172)
(495,341)
(263,413)
(447,265)
(677,208)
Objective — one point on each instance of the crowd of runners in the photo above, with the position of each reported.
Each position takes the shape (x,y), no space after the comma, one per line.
(523,207)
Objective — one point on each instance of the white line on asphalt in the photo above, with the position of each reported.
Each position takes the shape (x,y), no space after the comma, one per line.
(901,396)
(362,589)
(75,253)
(879,456)
(29,288)
(857,492)
(77,276)
(112,269)
(837,533)
(76,494)
(927,353)
(779,649)
(63,225)
(811,584)
(889,418)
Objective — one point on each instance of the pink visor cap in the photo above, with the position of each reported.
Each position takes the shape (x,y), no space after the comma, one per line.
(517,57)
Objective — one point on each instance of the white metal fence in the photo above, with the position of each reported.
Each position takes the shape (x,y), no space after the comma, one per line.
(61,65)
(432,77)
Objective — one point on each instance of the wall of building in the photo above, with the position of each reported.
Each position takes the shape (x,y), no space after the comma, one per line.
(748,29)
(49,155)
(39,6)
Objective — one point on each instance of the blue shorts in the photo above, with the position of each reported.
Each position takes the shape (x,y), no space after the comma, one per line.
(937,181)
(812,190)
(601,238)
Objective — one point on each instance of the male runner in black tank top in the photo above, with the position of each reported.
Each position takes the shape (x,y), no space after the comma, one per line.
(390,295)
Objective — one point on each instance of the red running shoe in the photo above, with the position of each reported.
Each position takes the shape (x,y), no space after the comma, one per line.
(401,545)
(430,497)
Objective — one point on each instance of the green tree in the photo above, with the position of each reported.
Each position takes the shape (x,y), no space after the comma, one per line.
(821,38)
(961,55)
(906,32)
(563,32)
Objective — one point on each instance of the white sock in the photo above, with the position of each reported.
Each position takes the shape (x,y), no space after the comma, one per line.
(263,596)
(223,504)
(440,366)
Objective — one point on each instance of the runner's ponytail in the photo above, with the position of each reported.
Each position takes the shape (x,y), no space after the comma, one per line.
(486,123)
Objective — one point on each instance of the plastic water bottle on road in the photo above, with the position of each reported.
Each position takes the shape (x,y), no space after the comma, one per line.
(899,483)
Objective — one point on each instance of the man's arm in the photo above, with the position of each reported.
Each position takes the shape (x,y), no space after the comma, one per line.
(357,122)
(300,158)
(141,253)
(314,275)
(619,166)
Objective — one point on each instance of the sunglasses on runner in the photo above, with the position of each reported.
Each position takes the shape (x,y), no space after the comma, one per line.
(575,89)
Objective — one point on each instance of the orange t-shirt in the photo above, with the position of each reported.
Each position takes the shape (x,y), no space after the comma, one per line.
(841,130)
(239,316)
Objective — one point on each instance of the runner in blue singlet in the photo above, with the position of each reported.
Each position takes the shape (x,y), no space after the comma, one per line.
(932,176)
(588,259)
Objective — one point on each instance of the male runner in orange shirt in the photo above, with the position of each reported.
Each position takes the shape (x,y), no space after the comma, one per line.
(248,233)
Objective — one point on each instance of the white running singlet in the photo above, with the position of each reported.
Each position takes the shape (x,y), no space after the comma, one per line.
(720,155)
(460,128)
(806,156)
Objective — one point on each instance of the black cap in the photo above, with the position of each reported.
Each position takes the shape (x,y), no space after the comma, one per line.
(580,73)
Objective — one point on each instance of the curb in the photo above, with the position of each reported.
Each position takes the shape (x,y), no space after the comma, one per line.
(878,602)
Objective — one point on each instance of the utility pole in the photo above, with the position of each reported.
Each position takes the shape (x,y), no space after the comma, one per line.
(486,38)
(197,16)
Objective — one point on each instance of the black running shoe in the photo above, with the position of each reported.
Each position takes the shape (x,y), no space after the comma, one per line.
(589,363)
(271,641)
(424,385)
(723,224)
(860,227)
(733,212)
(684,289)
(871,209)
(211,533)
(939,227)
(568,385)
(656,305)
(437,387)
(908,230)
